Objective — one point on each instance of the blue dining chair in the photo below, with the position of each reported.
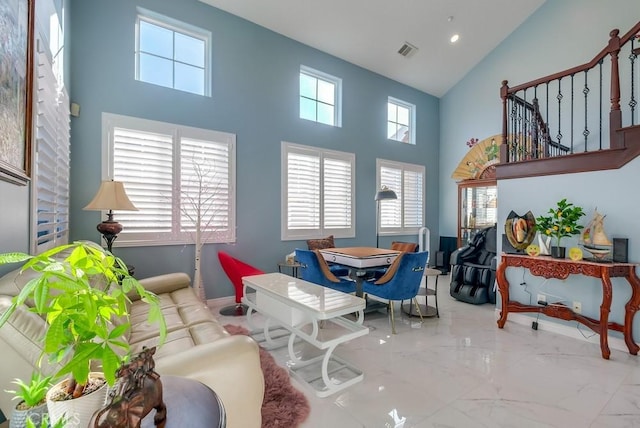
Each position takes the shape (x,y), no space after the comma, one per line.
(314,268)
(400,282)
(409,247)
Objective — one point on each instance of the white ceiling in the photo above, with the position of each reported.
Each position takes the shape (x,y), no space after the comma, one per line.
(369,33)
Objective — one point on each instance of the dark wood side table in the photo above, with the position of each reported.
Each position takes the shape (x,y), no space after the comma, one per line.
(190,404)
(548,267)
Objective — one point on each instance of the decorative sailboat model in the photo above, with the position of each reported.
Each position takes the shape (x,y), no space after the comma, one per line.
(594,239)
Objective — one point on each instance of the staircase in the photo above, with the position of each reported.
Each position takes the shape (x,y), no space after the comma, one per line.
(557,124)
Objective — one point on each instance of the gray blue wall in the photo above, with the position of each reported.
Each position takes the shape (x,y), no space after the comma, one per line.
(255,96)
(559,35)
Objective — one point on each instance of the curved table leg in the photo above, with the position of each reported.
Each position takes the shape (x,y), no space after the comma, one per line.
(631,308)
(325,369)
(292,355)
(605,308)
(503,288)
(250,312)
(267,334)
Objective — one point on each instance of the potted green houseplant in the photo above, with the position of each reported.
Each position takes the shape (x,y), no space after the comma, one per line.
(561,222)
(32,405)
(82,291)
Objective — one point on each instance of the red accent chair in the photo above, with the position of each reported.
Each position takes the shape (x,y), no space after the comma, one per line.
(235,270)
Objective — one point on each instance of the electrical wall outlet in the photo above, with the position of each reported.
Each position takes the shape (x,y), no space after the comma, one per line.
(577,307)
(542,297)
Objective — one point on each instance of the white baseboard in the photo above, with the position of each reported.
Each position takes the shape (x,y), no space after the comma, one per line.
(221,301)
(616,343)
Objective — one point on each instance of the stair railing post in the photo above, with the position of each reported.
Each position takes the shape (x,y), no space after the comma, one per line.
(535,135)
(504,147)
(615,116)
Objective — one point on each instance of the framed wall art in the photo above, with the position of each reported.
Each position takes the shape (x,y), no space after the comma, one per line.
(16,89)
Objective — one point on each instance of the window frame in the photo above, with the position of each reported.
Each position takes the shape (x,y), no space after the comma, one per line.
(322,231)
(177,132)
(180,27)
(412,119)
(337,94)
(402,167)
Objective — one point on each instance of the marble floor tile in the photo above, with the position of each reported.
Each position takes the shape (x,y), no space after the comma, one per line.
(461,370)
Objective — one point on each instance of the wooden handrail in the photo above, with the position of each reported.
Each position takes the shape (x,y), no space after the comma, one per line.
(613,46)
(624,142)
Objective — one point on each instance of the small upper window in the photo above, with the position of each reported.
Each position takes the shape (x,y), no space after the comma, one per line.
(320,97)
(400,121)
(172,54)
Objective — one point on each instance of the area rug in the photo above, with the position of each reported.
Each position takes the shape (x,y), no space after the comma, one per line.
(283,405)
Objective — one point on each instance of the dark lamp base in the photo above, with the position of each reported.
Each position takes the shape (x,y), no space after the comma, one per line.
(109,227)
(109,230)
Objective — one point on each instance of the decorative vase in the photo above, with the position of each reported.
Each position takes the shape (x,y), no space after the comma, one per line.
(558,252)
(78,411)
(19,417)
(544,242)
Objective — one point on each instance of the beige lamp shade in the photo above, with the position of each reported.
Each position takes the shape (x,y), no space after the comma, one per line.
(111,196)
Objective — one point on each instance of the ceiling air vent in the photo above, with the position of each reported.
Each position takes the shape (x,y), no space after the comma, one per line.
(407,50)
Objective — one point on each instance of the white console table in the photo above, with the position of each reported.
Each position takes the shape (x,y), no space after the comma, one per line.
(314,314)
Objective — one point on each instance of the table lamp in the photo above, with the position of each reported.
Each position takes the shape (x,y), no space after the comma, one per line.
(111,196)
(383,193)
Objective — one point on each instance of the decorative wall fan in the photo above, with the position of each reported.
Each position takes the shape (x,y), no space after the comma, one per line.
(478,161)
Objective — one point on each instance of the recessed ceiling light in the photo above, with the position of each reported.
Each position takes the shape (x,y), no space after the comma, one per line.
(455,38)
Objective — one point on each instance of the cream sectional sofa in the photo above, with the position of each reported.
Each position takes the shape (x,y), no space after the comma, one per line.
(197,346)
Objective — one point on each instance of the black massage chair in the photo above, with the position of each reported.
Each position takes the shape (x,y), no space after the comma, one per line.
(473,269)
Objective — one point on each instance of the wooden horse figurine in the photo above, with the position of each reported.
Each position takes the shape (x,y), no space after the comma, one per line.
(138,390)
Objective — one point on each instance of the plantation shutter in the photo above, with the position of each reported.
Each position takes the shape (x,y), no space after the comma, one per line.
(144,162)
(159,164)
(51,162)
(205,182)
(405,214)
(337,194)
(412,199)
(303,192)
(317,192)
(391,209)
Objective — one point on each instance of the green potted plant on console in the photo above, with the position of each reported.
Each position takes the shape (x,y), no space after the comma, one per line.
(561,222)
(82,291)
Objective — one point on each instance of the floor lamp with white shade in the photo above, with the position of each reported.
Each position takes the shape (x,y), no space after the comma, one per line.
(382,194)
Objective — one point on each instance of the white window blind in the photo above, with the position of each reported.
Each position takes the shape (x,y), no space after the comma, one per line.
(413,194)
(205,186)
(303,196)
(51,159)
(405,214)
(337,193)
(176,176)
(318,192)
(143,161)
(391,209)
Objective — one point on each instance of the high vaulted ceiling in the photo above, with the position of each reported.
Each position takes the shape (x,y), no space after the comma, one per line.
(369,33)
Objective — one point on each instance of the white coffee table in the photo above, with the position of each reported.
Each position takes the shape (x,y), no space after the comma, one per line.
(314,314)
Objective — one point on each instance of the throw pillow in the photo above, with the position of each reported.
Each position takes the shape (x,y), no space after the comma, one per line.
(408,247)
(321,244)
